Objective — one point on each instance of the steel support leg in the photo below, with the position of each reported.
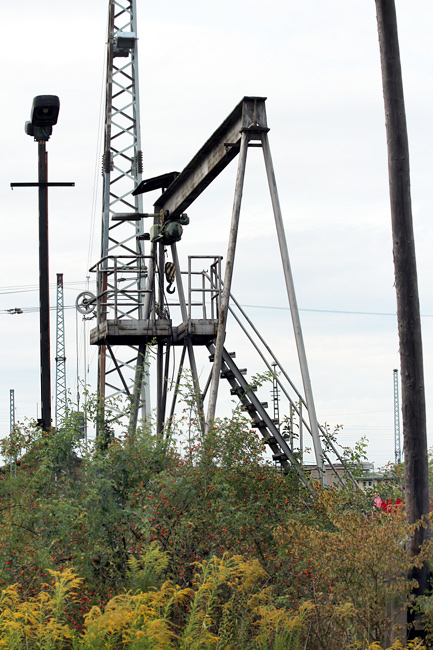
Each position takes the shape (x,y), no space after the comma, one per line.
(139,389)
(165,382)
(159,388)
(225,296)
(190,347)
(138,383)
(176,388)
(293,307)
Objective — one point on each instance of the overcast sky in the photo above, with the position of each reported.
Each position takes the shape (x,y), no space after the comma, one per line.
(317,62)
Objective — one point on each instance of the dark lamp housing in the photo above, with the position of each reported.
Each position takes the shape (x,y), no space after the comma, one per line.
(45,110)
(43,116)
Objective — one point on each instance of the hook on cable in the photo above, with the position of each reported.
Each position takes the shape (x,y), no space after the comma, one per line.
(170,274)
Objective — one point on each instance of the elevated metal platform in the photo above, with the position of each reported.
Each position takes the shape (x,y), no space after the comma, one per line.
(129,332)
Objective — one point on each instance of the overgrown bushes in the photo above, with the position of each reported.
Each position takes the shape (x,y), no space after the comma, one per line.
(150,544)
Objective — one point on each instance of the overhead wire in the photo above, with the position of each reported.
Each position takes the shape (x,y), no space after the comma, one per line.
(10,290)
(25,288)
(333,311)
(98,158)
(28,310)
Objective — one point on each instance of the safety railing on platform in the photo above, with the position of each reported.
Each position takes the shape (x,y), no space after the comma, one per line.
(119,294)
(204,288)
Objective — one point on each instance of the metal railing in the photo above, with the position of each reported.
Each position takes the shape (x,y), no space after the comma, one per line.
(206,294)
(121,287)
(120,281)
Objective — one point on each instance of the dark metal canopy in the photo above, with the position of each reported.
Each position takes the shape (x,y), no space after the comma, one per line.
(155,183)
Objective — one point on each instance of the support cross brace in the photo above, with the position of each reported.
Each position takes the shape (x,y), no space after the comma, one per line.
(42,185)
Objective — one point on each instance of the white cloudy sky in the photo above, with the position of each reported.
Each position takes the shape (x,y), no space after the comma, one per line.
(317,62)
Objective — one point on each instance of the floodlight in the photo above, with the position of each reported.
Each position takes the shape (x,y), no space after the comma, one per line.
(43,116)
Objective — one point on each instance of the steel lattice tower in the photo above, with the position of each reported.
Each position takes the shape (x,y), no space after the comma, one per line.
(121,169)
(12,409)
(397,442)
(61,402)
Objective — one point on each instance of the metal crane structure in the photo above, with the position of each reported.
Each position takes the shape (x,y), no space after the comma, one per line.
(132,283)
(61,401)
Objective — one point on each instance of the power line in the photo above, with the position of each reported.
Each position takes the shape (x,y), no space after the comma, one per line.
(334,311)
(29,310)
(25,288)
(33,287)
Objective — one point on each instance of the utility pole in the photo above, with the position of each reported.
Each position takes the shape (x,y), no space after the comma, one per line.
(61,401)
(408,313)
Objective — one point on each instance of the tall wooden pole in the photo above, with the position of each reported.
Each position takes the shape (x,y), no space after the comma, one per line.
(409,321)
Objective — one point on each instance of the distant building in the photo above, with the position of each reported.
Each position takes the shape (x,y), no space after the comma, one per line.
(364,474)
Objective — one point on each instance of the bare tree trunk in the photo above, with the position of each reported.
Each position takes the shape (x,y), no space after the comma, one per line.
(409,321)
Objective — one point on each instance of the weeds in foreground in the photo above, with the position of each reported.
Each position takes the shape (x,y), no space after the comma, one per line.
(227,607)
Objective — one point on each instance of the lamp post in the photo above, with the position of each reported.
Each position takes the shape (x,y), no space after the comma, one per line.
(45,111)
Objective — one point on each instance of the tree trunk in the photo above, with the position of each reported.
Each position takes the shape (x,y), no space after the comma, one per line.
(408,314)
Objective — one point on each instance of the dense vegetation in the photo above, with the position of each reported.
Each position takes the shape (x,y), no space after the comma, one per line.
(154,543)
